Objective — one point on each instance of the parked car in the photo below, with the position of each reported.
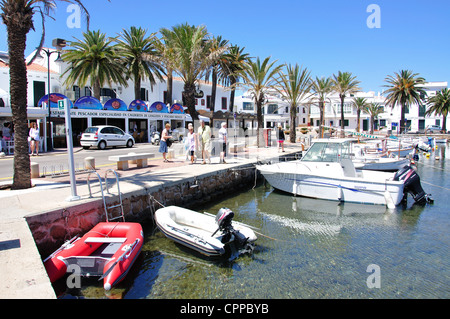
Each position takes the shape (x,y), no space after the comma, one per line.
(103,136)
(433,128)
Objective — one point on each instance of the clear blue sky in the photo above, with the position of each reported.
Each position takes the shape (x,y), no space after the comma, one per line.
(326,36)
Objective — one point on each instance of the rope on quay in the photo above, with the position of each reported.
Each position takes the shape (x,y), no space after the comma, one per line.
(432,166)
(448,189)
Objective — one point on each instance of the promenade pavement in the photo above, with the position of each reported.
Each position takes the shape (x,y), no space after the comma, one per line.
(22,272)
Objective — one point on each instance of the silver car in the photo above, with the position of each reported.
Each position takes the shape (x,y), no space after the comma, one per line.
(103,136)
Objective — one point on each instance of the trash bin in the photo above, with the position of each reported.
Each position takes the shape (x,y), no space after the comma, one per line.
(268,137)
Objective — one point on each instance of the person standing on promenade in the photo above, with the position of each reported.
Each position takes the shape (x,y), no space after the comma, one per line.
(281,138)
(191,142)
(223,138)
(204,137)
(34,139)
(163,143)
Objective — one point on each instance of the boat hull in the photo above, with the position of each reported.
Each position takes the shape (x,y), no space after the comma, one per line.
(195,231)
(85,248)
(296,179)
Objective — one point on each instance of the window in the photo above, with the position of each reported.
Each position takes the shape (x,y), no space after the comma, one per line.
(107,92)
(144,94)
(208,102)
(87,91)
(76,89)
(272,109)
(247,106)
(224,103)
(345,122)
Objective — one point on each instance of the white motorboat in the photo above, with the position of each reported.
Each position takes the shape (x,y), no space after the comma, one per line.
(209,235)
(326,171)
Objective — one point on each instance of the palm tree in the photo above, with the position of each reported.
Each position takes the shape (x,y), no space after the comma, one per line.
(94,60)
(440,105)
(404,89)
(294,86)
(344,84)
(140,56)
(217,44)
(321,87)
(18,15)
(166,50)
(373,109)
(359,103)
(232,66)
(191,58)
(260,79)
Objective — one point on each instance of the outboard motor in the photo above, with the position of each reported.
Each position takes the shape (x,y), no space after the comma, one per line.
(223,220)
(412,184)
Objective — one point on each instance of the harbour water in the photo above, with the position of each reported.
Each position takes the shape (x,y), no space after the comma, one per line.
(307,248)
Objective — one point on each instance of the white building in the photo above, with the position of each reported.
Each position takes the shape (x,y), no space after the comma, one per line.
(276,111)
(81,119)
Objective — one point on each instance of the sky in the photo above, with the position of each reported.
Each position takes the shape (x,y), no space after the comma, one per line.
(325,36)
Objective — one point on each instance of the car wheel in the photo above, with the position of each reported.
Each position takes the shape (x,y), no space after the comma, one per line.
(102,145)
(130,143)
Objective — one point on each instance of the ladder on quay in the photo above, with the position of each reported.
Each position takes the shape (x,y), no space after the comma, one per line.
(119,205)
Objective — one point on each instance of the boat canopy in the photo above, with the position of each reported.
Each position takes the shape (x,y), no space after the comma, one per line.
(328,151)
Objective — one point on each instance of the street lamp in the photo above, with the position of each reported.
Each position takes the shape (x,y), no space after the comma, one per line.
(59,44)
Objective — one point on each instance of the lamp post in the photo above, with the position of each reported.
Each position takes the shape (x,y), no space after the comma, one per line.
(59,44)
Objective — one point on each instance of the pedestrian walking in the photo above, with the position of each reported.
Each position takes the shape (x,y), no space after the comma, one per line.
(281,138)
(223,138)
(163,143)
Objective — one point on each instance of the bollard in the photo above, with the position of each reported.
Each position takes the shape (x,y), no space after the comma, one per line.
(34,170)
(89,163)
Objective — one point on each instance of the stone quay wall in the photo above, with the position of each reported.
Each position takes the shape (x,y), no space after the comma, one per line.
(51,229)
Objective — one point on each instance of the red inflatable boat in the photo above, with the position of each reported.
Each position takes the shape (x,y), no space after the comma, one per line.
(107,250)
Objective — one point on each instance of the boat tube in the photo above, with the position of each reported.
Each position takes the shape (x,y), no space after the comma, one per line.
(209,235)
(107,250)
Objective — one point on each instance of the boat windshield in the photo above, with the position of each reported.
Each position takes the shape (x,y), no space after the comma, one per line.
(327,152)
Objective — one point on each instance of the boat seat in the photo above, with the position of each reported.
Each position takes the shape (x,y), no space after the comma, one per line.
(105,240)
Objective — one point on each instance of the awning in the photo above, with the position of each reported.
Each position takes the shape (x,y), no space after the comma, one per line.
(115,105)
(54,98)
(138,106)
(159,107)
(87,103)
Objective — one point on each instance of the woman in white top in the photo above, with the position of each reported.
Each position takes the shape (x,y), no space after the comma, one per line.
(223,138)
(34,139)
(191,140)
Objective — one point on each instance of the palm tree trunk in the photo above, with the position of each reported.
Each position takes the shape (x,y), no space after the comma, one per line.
(259,130)
(402,119)
(169,86)
(189,99)
(322,118)
(213,96)
(17,37)
(232,93)
(96,87)
(342,116)
(293,135)
(358,119)
(137,88)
